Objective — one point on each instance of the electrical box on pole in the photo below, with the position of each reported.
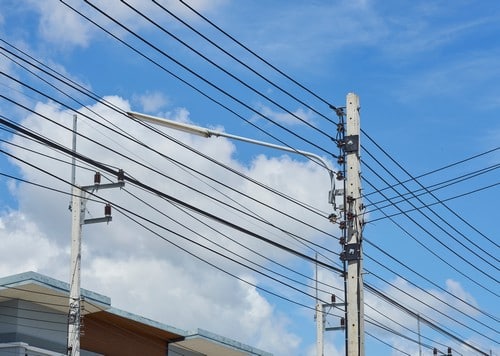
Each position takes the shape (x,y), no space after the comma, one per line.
(352,253)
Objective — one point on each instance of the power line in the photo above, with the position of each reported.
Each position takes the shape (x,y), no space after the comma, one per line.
(175,180)
(206,81)
(422,186)
(467,159)
(161,194)
(239,80)
(436,186)
(258,56)
(437,225)
(433,252)
(424,320)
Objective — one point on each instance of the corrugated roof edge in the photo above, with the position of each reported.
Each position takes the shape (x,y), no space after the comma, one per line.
(226,341)
(146,321)
(17,280)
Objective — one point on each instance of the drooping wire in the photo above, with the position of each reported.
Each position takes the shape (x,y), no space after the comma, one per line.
(422,186)
(239,80)
(473,280)
(206,81)
(260,58)
(435,224)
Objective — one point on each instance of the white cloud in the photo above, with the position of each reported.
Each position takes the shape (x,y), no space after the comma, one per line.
(24,246)
(61,26)
(294,118)
(152,102)
(143,273)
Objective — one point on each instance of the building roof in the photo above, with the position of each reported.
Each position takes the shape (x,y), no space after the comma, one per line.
(52,293)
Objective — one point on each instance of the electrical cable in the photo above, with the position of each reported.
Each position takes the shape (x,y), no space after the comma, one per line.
(183,145)
(434,236)
(206,81)
(438,169)
(434,187)
(434,253)
(259,57)
(223,247)
(175,180)
(426,321)
(422,186)
(213,43)
(436,224)
(137,183)
(126,213)
(239,80)
(431,295)
(489,315)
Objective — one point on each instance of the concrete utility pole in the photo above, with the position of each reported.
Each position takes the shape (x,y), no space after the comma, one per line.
(354,219)
(74,317)
(79,201)
(77,206)
(321,311)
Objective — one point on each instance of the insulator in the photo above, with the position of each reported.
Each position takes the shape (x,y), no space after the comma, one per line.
(349,199)
(342,322)
(332,217)
(97,178)
(340,128)
(107,210)
(342,240)
(341,160)
(121,175)
(342,225)
(435,351)
(333,298)
(340,143)
(340,176)
(350,216)
(449,351)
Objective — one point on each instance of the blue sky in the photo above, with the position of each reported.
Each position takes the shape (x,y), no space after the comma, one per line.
(427,76)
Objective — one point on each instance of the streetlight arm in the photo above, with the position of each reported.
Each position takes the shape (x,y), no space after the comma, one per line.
(205,132)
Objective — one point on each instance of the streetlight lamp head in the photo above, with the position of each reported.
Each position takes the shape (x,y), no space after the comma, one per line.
(192,129)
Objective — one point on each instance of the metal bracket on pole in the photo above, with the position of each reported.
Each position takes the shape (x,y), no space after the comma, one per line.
(351,144)
(351,252)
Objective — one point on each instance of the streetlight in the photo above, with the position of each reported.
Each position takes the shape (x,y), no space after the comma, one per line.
(207,133)
(352,254)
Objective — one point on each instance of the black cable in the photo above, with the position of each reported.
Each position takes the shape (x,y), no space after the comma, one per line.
(424,320)
(206,81)
(386,343)
(150,168)
(413,178)
(260,58)
(491,316)
(155,191)
(239,80)
(227,237)
(438,226)
(434,187)
(436,215)
(434,253)
(121,210)
(428,306)
(430,294)
(125,213)
(477,190)
(402,326)
(199,33)
(185,146)
(438,169)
